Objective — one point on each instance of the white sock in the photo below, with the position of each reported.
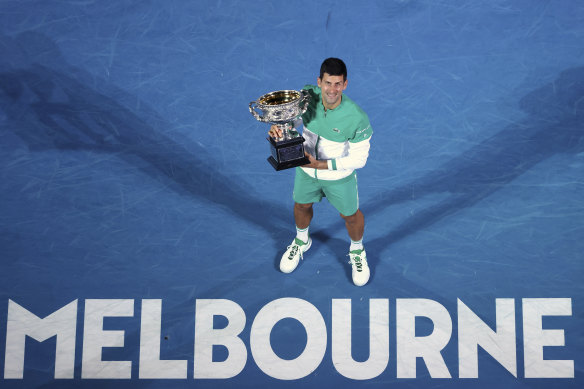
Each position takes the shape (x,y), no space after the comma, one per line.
(356,245)
(302,234)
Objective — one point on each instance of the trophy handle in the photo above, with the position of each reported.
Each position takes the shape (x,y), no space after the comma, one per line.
(305,100)
(254,112)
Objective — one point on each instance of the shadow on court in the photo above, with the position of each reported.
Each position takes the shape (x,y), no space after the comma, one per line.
(554,125)
(57,109)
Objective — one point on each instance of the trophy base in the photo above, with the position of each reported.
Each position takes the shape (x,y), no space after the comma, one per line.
(287,164)
(287,153)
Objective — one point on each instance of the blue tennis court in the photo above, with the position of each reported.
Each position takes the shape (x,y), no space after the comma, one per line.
(141,227)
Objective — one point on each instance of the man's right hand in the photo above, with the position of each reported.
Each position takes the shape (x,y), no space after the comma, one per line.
(275,132)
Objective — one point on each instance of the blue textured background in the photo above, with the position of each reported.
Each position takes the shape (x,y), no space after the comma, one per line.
(130,167)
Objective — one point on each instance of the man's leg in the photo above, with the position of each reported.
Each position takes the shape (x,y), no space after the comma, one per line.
(355,225)
(344,196)
(307,191)
(302,215)
(302,241)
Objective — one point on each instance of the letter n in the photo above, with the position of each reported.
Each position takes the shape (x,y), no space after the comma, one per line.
(473,332)
(21,323)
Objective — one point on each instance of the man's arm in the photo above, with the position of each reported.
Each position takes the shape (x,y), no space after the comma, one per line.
(357,153)
(355,159)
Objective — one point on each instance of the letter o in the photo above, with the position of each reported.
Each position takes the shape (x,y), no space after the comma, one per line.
(316,338)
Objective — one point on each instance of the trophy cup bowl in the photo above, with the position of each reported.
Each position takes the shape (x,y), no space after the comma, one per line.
(282,108)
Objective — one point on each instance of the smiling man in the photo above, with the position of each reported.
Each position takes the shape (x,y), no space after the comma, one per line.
(337,134)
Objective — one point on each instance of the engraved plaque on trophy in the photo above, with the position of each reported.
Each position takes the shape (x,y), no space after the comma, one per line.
(282,108)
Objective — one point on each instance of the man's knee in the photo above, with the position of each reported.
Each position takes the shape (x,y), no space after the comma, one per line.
(303,207)
(352,218)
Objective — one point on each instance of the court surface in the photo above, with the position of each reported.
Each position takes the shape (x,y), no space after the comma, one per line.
(134,185)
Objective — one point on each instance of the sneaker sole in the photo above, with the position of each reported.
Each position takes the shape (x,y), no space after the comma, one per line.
(361,284)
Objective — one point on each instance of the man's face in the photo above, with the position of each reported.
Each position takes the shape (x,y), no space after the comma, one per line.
(332,88)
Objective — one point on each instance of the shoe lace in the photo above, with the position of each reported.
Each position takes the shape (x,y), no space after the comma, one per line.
(355,260)
(294,250)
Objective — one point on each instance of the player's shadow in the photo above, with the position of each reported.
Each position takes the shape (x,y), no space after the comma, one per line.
(554,124)
(340,248)
(51,106)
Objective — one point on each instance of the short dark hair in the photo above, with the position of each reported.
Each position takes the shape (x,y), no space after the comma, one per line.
(334,67)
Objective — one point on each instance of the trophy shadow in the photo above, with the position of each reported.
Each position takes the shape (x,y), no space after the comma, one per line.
(57,110)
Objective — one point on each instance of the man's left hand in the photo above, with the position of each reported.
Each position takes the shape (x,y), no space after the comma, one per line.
(315,164)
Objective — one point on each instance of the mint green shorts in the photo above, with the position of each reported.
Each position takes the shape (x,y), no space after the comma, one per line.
(342,194)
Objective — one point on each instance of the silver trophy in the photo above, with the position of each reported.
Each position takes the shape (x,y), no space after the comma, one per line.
(282,108)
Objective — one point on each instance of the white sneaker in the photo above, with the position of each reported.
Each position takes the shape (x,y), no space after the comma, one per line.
(293,253)
(360,267)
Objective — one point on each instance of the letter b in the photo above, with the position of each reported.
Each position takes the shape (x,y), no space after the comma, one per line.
(206,336)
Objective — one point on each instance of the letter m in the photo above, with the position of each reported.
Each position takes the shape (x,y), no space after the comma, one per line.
(21,323)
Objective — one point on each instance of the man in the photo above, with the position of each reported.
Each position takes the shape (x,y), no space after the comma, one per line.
(337,134)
